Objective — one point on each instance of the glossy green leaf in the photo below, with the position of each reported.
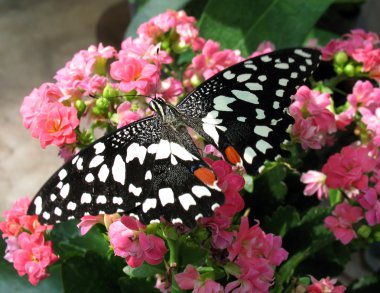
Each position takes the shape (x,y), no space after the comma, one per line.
(144,271)
(283,219)
(91,273)
(245,24)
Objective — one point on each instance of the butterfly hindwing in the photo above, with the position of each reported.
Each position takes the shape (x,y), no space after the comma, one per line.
(243,109)
(111,175)
(177,194)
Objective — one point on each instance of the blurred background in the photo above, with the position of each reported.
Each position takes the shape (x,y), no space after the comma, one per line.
(38,37)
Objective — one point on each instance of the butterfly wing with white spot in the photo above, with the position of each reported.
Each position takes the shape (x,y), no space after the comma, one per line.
(178,195)
(245,106)
(114,174)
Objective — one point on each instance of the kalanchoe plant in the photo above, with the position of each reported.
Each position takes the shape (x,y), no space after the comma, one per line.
(103,88)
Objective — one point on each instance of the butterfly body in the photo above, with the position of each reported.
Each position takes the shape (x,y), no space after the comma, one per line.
(151,169)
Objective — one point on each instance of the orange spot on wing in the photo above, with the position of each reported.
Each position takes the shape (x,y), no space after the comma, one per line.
(205,175)
(232,155)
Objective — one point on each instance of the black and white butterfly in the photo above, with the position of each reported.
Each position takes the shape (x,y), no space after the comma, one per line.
(151,168)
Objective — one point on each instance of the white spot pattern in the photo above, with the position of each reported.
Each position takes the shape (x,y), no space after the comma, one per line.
(86,198)
(221,103)
(149,203)
(246,96)
(186,201)
(118,169)
(103,173)
(262,130)
(134,190)
(249,154)
(166,196)
(200,191)
(136,151)
(96,161)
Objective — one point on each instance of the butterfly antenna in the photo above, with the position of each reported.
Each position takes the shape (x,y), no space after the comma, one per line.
(155,86)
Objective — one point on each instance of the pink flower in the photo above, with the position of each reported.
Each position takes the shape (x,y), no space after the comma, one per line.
(12,246)
(230,183)
(189,279)
(314,122)
(33,257)
(254,243)
(16,220)
(162,283)
(130,242)
(325,285)
(125,115)
(135,74)
(218,224)
(100,51)
(255,276)
(348,168)
(315,183)
(344,118)
(56,125)
(372,121)
(209,62)
(340,223)
(370,202)
(364,94)
(87,222)
(171,89)
(142,48)
(264,48)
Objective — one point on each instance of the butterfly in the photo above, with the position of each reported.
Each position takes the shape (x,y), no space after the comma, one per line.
(151,169)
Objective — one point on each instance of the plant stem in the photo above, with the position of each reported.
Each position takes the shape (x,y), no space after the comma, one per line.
(173,263)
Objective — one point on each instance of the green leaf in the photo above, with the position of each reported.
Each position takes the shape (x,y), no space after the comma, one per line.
(91,273)
(245,24)
(152,8)
(281,221)
(129,285)
(335,196)
(144,271)
(369,283)
(11,282)
(273,177)
(68,241)
(190,253)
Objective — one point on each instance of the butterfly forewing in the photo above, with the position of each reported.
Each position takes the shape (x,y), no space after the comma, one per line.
(112,175)
(245,106)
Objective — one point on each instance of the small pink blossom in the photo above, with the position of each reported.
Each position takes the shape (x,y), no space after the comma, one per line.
(254,243)
(264,48)
(87,222)
(230,183)
(209,62)
(340,223)
(364,94)
(189,279)
(142,48)
(56,125)
(125,115)
(162,283)
(325,285)
(135,74)
(371,203)
(33,257)
(256,275)
(314,122)
(100,51)
(129,241)
(372,121)
(315,183)
(218,224)
(12,246)
(171,89)
(348,168)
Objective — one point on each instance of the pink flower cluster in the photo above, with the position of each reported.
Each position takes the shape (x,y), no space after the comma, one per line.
(314,121)
(230,183)
(340,223)
(361,46)
(348,169)
(26,246)
(47,119)
(325,285)
(256,254)
(129,240)
(190,279)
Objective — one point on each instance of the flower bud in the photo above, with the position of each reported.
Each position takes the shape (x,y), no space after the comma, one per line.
(102,103)
(180,47)
(195,80)
(340,58)
(349,70)
(109,92)
(364,231)
(80,106)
